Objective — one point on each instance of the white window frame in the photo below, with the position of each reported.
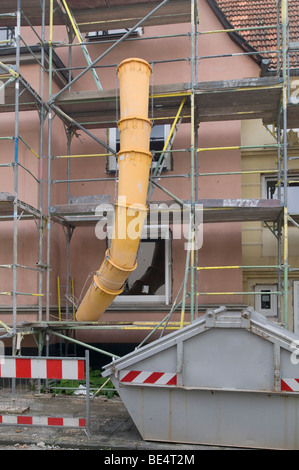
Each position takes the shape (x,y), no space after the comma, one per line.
(267,178)
(112,34)
(9,36)
(111,163)
(273,311)
(160,299)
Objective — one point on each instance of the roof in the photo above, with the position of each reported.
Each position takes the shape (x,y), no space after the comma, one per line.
(258,13)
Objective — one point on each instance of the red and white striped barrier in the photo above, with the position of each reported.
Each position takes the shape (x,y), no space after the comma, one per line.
(45,368)
(42,421)
(42,368)
(137,377)
(290,385)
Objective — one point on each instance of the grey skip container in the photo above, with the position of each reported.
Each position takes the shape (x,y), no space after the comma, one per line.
(227,379)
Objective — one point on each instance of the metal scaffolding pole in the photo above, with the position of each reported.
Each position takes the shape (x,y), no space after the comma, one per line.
(284,21)
(41,153)
(49,165)
(16,162)
(192,158)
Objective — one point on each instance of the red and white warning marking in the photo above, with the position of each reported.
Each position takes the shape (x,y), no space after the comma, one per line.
(154,378)
(42,421)
(42,368)
(290,385)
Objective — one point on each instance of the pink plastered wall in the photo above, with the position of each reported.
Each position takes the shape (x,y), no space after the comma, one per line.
(221,242)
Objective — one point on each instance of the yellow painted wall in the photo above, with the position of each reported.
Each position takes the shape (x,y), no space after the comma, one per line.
(259,245)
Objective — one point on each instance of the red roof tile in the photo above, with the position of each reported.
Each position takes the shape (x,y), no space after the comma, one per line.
(253,13)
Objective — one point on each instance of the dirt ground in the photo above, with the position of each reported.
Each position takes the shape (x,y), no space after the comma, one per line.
(111,427)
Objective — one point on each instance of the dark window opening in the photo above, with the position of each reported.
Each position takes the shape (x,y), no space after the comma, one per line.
(293,194)
(112,34)
(7,37)
(265,300)
(149,277)
(157,142)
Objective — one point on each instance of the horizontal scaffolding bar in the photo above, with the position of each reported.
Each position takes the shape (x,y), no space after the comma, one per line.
(84,155)
(105,41)
(10,266)
(22,293)
(244,172)
(238,147)
(236,293)
(201,268)
(6,165)
(233,30)
(87,180)
(153,62)
(236,54)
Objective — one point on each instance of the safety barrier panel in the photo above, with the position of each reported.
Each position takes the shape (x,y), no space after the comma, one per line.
(42,368)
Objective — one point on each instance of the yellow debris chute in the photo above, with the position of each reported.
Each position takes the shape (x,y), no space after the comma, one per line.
(134,161)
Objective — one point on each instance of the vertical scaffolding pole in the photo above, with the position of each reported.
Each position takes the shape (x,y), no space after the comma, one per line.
(196,274)
(49,163)
(16,163)
(41,145)
(284,21)
(279,125)
(192,159)
(68,230)
(279,223)
(41,175)
(68,235)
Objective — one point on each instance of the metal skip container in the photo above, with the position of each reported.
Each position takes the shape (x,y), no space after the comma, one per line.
(227,379)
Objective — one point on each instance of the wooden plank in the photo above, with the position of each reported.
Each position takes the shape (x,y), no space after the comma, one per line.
(32,10)
(5,197)
(110,95)
(238,99)
(214,211)
(102,106)
(7,207)
(238,83)
(120,13)
(256,98)
(126,14)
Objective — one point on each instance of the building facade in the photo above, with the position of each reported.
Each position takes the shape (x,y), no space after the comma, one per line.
(212,107)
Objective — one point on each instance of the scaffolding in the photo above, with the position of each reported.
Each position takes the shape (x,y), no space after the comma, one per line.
(192,102)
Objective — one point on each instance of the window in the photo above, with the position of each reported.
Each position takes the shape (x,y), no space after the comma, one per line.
(150,283)
(266,299)
(158,138)
(271,191)
(6,37)
(112,34)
